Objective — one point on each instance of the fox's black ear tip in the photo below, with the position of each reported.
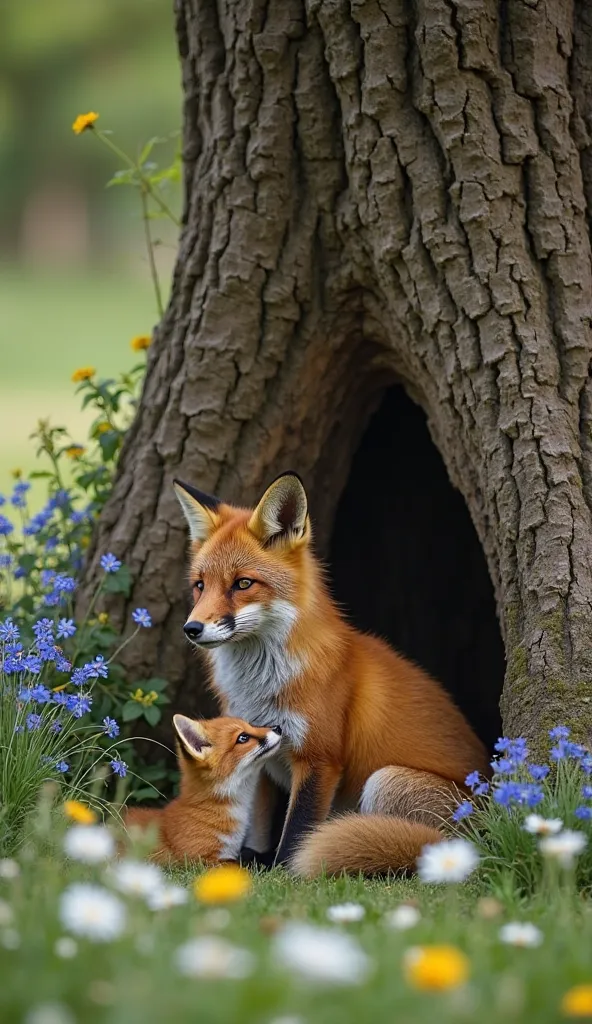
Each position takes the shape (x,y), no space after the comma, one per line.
(208,500)
(292,473)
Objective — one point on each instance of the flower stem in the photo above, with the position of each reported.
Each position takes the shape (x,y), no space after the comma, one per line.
(150,251)
(124,644)
(143,179)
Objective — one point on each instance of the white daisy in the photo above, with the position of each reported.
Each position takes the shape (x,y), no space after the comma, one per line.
(10,938)
(402,918)
(136,877)
(211,957)
(6,914)
(563,847)
(91,844)
(167,896)
(344,913)
(320,954)
(451,861)
(539,826)
(49,1013)
(518,933)
(9,869)
(92,911)
(66,948)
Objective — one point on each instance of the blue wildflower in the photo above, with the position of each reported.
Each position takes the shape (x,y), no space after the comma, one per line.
(19,572)
(40,694)
(18,499)
(559,732)
(47,577)
(51,543)
(24,695)
(78,704)
(472,780)
(80,676)
(65,584)
(565,749)
(6,526)
(9,630)
(43,629)
(502,744)
(2,500)
(47,650)
(119,767)
(98,669)
(19,728)
(539,771)
(586,764)
(62,664)
(506,793)
(65,628)
(33,721)
(142,618)
(463,810)
(587,792)
(111,727)
(5,561)
(110,563)
(584,813)
(504,766)
(78,517)
(31,663)
(482,789)
(60,698)
(55,727)
(531,795)
(62,766)
(21,487)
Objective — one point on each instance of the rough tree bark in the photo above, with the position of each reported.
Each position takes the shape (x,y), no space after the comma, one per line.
(382,190)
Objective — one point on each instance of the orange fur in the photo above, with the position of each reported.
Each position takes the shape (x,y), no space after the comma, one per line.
(210,815)
(349,704)
(371,844)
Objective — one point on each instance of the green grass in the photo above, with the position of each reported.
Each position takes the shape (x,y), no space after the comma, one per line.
(133,980)
(49,325)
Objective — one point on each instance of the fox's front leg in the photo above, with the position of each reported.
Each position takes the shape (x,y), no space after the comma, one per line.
(311,796)
(257,847)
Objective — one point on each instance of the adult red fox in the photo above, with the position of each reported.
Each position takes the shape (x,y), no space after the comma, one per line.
(220,761)
(360,723)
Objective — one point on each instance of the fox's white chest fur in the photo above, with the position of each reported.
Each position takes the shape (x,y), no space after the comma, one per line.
(253,673)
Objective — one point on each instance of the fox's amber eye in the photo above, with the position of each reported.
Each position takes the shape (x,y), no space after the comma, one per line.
(243,738)
(199,585)
(244,583)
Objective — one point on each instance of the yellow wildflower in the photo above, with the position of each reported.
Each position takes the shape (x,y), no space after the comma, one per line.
(144,698)
(103,618)
(138,695)
(84,121)
(140,342)
(58,689)
(435,968)
(84,373)
(84,542)
(78,812)
(75,451)
(577,1001)
(103,427)
(16,474)
(224,884)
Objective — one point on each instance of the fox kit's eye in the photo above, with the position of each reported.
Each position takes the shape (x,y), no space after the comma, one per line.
(199,585)
(243,738)
(244,583)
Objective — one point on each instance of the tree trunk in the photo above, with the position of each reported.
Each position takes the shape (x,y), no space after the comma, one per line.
(382,191)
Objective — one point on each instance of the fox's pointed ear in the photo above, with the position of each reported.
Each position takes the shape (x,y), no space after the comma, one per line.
(200,510)
(192,737)
(282,514)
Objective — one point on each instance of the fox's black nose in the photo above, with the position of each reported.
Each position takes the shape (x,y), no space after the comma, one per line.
(193,629)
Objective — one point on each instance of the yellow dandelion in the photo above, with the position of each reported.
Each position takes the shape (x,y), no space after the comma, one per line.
(83,373)
(78,812)
(103,618)
(84,121)
(140,342)
(224,884)
(577,1001)
(435,968)
(102,427)
(75,451)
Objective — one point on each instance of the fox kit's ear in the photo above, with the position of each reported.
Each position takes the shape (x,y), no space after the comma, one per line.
(200,510)
(282,513)
(192,736)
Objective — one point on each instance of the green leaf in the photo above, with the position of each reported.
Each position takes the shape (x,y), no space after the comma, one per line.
(131,710)
(152,714)
(27,562)
(155,683)
(38,474)
(118,582)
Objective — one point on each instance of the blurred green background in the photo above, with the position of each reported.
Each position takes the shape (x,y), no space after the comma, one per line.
(74,280)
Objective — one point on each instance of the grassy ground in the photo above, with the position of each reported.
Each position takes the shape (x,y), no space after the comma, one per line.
(49,325)
(133,980)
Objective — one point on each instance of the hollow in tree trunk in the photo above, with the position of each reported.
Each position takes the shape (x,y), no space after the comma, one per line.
(382,192)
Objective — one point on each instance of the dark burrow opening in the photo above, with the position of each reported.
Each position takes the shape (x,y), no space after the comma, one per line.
(407,565)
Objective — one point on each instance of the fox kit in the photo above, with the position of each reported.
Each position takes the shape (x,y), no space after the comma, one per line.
(360,723)
(220,761)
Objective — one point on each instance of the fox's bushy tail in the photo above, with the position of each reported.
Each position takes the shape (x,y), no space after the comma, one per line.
(368,843)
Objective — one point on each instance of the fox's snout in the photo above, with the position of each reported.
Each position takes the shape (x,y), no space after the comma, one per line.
(210,632)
